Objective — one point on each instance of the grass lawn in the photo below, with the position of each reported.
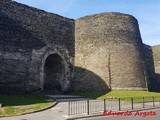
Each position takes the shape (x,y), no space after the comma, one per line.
(124,95)
(22,104)
(129,94)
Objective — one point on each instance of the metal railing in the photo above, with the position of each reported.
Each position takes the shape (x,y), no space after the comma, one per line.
(89,107)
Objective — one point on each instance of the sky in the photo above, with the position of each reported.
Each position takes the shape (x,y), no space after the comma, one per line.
(145,11)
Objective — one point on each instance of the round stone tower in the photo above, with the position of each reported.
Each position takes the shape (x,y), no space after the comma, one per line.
(109,53)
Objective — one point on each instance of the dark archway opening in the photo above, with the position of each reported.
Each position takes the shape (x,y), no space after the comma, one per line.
(53,74)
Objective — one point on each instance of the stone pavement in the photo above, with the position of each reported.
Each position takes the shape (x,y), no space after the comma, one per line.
(58,112)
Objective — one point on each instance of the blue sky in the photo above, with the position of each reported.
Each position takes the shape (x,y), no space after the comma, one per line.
(146,11)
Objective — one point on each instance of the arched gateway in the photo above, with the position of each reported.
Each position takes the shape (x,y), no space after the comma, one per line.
(54,73)
(54,77)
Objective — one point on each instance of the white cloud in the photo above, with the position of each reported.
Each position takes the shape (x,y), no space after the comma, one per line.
(69,5)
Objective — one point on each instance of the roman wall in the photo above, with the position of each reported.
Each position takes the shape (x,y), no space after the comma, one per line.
(156,59)
(41,51)
(27,37)
(110,47)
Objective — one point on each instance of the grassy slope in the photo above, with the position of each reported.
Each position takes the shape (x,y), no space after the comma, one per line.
(124,94)
(117,94)
(22,104)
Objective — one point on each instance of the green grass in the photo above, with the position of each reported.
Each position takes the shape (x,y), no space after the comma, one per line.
(129,94)
(124,95)
(22,104)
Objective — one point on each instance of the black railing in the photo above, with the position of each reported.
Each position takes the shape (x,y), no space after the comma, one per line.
(88,107)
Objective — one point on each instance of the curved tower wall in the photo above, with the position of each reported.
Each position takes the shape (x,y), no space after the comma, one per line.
(109,45)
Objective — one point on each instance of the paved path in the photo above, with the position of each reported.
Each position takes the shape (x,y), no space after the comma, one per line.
(58,112)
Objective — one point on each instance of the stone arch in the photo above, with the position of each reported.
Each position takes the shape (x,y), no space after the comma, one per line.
(53,74)
(61,83)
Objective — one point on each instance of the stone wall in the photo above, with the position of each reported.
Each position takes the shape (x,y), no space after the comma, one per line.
(27,37)
(28,28)
(109,45)
(156,58)
(105,51)
(151,83)
(13,71)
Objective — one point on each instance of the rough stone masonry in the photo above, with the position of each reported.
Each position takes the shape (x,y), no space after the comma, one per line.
(41,51)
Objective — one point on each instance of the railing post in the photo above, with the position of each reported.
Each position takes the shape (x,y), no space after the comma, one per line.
(119,101)
(143,102)
(104,104)
(132,103)
(88,107)
(153,102)
(69,108)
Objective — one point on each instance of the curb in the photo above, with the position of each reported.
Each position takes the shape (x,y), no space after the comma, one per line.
(42,109)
